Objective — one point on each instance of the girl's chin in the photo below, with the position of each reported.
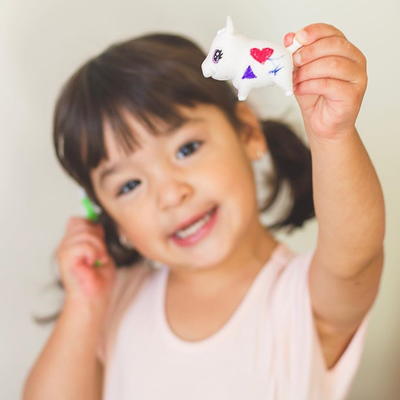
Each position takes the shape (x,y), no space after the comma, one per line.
(207,257)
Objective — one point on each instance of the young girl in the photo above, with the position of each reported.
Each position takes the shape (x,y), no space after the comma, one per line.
(209,304)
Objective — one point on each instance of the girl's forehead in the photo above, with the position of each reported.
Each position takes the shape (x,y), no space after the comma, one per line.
(141,134)
(112,136)
(137,135)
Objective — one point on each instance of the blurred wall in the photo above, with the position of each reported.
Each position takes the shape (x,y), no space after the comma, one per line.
(43,42)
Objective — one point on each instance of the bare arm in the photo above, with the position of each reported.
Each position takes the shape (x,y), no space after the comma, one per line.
(345,271)
(67,368)
(348,203)
(330,81)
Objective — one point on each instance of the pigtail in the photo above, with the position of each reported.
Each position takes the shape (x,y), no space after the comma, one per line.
(291,160)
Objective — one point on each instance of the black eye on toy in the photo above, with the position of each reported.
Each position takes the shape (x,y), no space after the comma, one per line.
(217,55)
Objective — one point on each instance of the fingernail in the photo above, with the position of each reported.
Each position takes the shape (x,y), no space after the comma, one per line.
(302,36)
(286,38)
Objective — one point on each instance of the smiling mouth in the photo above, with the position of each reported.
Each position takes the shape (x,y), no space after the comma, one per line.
(190,228)
(197,231)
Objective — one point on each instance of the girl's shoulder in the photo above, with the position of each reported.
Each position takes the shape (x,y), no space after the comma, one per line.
(290,261)
(128,277)
(291,272)
(128,281)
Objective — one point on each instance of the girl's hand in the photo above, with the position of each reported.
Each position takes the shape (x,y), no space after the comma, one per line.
(329,80)
(78,254)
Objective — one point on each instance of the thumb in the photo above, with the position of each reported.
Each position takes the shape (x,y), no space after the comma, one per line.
(288,39)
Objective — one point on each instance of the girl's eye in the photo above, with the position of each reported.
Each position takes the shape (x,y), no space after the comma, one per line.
(127,187)
(217,55)
(186,150)
(190,147)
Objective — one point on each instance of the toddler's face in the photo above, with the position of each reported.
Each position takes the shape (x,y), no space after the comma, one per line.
(170,179)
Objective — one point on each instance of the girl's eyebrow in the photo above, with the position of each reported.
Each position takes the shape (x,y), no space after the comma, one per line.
(187,121)
(112,169)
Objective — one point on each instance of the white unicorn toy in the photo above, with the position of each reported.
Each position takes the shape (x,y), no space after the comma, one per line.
(249,63)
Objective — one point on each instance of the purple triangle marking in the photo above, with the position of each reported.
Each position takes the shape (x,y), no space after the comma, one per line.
(249,74)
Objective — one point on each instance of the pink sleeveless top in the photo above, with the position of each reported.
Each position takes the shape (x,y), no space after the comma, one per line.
(269,348)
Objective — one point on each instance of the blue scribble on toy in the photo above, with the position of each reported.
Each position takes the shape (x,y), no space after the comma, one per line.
(275,58)
(275,70)
(249,74)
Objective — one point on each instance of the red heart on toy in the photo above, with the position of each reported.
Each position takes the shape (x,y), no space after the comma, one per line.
(261,55)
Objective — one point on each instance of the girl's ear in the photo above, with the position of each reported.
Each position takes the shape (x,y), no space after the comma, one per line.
(251,133)
(124,240)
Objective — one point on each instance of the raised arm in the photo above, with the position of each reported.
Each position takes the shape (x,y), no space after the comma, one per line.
(345,271)
(67,368)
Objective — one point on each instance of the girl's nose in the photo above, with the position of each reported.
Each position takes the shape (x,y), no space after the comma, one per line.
(172,187)
(173,192)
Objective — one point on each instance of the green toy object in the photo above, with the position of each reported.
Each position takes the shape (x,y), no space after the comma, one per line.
(91,213)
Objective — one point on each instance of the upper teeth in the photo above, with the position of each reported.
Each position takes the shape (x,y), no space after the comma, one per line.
(183,233)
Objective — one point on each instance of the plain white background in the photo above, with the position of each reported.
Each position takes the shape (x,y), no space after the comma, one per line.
(43,42)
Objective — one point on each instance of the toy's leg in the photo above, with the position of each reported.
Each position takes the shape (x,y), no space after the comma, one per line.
(243,92)
(284,79)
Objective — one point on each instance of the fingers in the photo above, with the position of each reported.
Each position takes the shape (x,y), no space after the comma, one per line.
(80,224)
(332,89)
(80,254)
(85,239)
(328,46)
(82,245)
(326,53)
(335,67)
(90,239)
(314,32)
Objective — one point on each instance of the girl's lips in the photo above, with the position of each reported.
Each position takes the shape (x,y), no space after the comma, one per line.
(200,234)
(192,221)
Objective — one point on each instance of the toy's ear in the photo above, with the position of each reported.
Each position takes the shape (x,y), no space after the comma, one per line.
(229,25)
